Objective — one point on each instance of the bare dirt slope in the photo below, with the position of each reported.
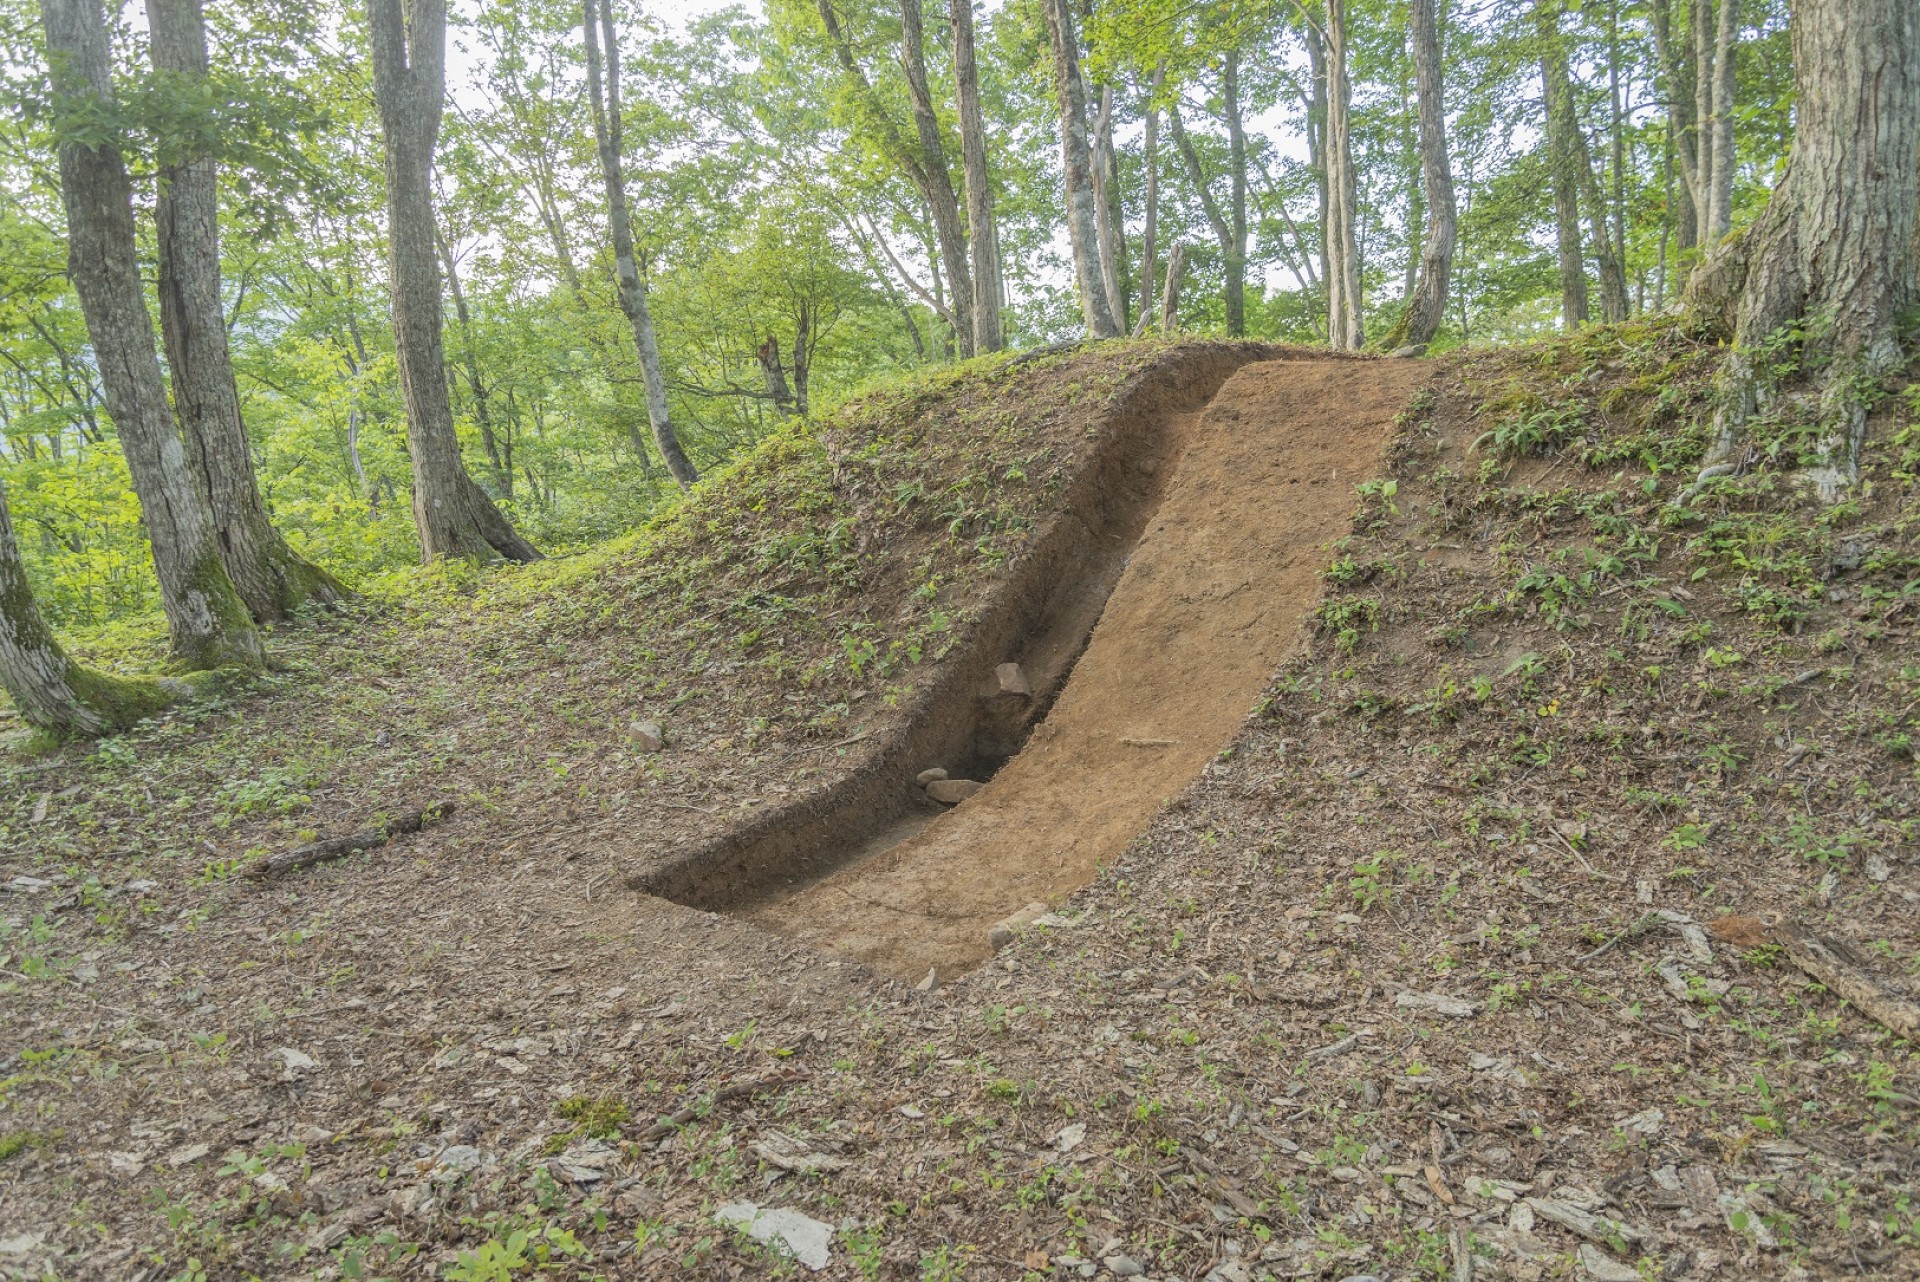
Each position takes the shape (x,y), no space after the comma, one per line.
(1211,602)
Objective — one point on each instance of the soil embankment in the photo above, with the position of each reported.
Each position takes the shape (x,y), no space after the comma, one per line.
(1211,601)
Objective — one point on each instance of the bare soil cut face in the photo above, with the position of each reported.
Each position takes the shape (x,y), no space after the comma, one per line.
(1209,605)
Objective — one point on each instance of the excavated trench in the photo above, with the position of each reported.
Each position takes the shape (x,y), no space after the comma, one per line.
(1124,652)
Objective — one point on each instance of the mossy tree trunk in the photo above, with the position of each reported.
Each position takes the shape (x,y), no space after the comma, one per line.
(453,514)
(1427,302)
(208,622)
(270,577)
(53,693)
(1826,274)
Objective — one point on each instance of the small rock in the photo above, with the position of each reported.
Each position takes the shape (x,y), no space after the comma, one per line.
(1012,679)
(188,1154)
(953,791)
(1070,1137)
(1438,1003)
(293,1064)
(1229,1271)
(1602,1267)
(1124,1266)
(647,736)
(931,982)
(1410,350)
(804,1237)
(790,1153)
(930,775)
(1006,928)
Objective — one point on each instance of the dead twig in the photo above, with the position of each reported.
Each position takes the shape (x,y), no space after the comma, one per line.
(320,852)
(1826,961)
(693,1112)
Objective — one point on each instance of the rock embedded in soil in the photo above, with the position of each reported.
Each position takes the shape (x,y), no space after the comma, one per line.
(930,775)
(953,791)
(1004,930)
(647,736)
(1012,679)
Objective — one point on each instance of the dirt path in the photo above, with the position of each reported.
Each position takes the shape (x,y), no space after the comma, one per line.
(1212,600)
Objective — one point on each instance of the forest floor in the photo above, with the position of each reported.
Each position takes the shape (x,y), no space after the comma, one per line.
(1453,961)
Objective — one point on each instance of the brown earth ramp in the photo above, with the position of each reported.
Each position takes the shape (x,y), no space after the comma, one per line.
(1039,616)
(1211,601)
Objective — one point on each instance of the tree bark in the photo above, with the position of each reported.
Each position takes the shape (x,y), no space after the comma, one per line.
(1573,165)
(1345,325)
(1210,207)
(774,375)
(1107,226)
(1837,251)
(1427,304)
(1150,221)
(1076,162)
(1716,82)
(939,180)
(989,334)
(604,103)
(53,693)
(207,621)
(454,516)
(1564,168)
(269,576)
(1170,294)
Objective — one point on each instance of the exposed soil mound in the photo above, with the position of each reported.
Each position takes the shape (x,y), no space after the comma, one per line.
(1212,600)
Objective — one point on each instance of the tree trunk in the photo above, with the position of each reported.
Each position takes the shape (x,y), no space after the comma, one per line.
(501,471)
(1210,207)
(1108,229)
(1076,162)
(774,375)
(1839,243)
(1170,295)
(1676,79)
(53,693)
(1716,34)
(1317,157)
(1345,325)
(604,104)
(989,334)
(1150,222)
(1564,168)
(454,516)
(1427,304)
(1236,195)
(939,181)
(270,578)
(206,618)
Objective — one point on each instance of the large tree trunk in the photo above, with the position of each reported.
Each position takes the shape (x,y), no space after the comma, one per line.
(1840,240)
(988,333)
(453,514)
(1345,325)
(1076,161)
(1427,304)
(269,576)
(206,618)
(604,102)
(939,181)
(53,693)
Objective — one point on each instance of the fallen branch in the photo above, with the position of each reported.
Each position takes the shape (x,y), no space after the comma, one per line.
(321,852)
(1825,962)
(693,1112)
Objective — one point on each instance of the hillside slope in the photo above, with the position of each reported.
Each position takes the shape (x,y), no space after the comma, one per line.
(1455,962)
